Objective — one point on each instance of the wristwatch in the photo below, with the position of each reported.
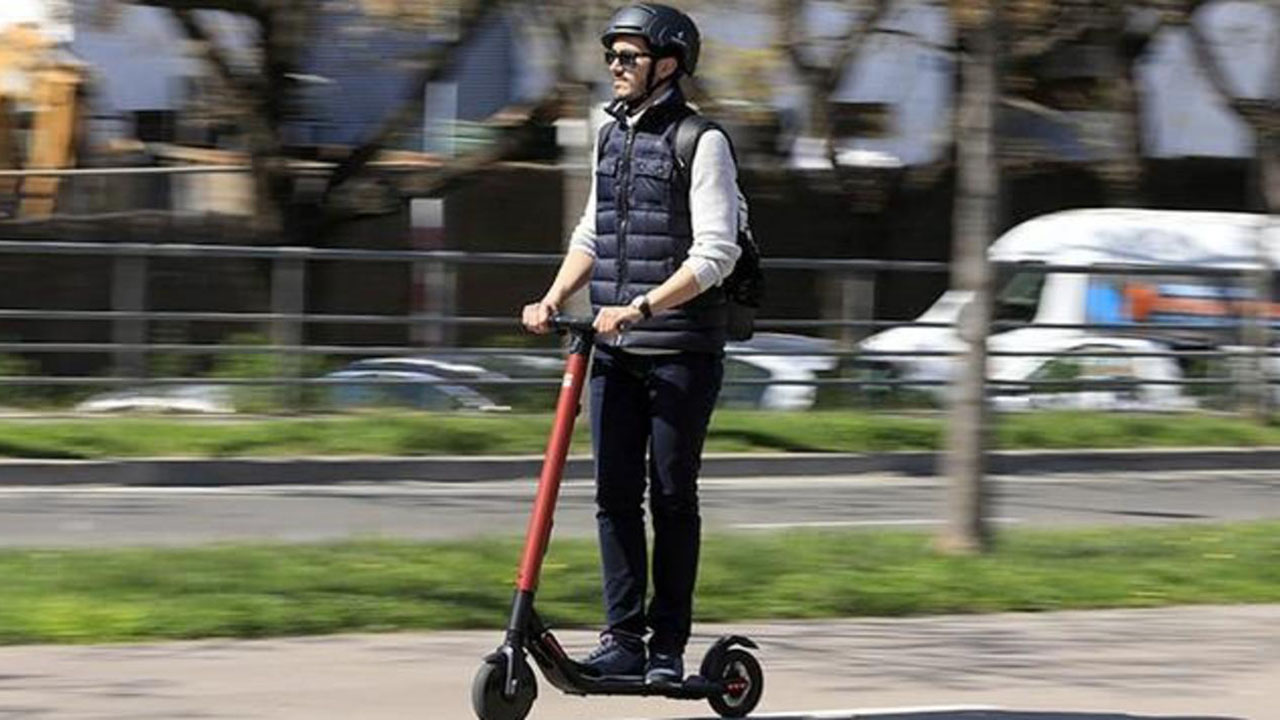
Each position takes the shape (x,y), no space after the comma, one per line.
(641,303)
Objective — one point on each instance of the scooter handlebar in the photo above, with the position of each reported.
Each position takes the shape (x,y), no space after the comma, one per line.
(574,324)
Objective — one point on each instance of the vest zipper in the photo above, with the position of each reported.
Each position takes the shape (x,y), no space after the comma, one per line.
(624,215)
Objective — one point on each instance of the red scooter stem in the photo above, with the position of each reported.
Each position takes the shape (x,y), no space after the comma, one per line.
(539,535)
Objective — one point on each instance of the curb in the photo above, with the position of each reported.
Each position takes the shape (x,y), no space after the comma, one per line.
(186,472)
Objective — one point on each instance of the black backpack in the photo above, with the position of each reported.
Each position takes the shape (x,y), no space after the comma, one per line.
(744,287)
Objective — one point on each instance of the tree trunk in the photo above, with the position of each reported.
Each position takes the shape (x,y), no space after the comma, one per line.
(977,188)
(1126,167)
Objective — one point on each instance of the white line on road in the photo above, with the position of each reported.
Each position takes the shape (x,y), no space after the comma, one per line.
(852,523)
(853,713)
(419,487)
(870,713)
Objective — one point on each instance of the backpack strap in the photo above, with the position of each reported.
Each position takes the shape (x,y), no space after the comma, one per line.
(688,133)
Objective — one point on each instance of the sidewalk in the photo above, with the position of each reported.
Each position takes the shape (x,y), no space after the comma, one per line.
(1196,662)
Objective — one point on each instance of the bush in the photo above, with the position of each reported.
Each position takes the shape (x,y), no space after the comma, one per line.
(261,365)
(25,396)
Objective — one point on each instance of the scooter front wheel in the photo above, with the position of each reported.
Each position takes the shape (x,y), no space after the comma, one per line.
(743,680)
(490,703)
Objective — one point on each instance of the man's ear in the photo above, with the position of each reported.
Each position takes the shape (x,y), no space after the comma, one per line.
(666,67)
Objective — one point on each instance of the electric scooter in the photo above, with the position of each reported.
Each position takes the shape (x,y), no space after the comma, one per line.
(730,678)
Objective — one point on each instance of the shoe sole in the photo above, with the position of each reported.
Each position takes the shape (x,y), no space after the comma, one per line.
(663,679)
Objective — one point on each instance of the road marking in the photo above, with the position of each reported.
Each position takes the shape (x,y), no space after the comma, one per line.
(871,713)
(515,488)
(853,523)
(854,713)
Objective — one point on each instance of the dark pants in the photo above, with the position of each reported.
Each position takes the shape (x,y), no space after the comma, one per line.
(660,404)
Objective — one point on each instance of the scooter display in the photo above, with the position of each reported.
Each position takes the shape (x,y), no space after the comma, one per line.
(729,678)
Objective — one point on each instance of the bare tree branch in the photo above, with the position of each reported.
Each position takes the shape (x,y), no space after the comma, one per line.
(1071,21)
(1208,62)
(240,87)
(822,80)
(853,41)
(793,42)
(256,9)
(546,110)
(436,63)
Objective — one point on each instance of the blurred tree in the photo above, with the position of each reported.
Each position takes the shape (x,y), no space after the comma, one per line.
(1080,55)
(261,96)
(1262,115)
(978,27)
(740,74)
(822,62)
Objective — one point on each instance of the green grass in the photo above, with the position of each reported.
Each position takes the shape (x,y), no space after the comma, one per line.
(731,431)
(258,591)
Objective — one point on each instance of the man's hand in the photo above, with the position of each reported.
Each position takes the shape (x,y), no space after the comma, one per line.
(616,318)
(537,316)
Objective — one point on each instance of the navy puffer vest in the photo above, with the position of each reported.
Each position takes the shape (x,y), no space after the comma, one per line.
(643,231)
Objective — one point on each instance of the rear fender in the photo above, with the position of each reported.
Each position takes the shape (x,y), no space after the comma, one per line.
(718,649)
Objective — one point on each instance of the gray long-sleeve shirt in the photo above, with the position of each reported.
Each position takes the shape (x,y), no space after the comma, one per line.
(713,206)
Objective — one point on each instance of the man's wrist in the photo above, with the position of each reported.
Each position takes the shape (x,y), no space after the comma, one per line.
(641,303)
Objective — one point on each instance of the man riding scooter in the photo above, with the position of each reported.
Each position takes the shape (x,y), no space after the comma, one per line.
(655,244)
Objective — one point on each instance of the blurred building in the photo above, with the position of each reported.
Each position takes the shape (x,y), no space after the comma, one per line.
(1184,115)
(143,74)
(888,195)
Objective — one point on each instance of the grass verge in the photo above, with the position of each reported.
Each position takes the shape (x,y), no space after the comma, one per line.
(259,591)
(731,431)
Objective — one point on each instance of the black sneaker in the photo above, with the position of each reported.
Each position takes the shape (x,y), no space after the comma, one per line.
(664,669)
(617,654)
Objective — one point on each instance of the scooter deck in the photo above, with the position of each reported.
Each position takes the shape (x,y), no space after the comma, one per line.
(694,687)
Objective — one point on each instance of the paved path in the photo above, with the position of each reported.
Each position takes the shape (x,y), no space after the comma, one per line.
(1207,662)
(73,515)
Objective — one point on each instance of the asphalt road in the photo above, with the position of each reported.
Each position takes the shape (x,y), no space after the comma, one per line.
(1205,663)
(112,515)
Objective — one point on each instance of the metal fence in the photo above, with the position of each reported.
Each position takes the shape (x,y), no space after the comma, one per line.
(129,318)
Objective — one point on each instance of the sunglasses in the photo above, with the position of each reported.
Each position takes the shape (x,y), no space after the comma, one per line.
(628,60)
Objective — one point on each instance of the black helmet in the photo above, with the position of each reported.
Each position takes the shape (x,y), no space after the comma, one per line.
(668,31)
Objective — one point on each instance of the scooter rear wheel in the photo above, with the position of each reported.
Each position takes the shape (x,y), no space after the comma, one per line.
(488,700)
(744,683)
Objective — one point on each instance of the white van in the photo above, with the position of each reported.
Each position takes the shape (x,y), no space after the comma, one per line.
(1093,237)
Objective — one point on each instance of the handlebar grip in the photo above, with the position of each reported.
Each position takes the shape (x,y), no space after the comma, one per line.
(574,324)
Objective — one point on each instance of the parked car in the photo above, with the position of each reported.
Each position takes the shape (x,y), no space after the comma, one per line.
(1122,382)
(197,399)
(776,357)
(1144,312)
(411,382)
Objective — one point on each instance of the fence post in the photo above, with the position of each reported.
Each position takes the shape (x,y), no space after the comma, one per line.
(1264,288)
(857,302)
(435,283)
(1257,334)
(129,295)
(288,298)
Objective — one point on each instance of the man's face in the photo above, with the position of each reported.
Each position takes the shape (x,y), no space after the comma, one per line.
(631,64)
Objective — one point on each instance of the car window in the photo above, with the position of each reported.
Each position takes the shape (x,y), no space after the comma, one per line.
(1088,367)
(1019,298)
